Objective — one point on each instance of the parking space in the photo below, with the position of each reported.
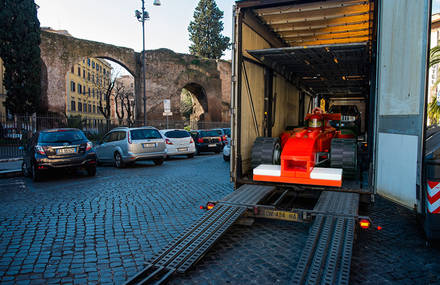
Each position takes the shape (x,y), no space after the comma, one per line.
(71,228)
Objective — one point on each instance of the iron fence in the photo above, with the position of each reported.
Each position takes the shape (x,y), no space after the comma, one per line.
(15,131)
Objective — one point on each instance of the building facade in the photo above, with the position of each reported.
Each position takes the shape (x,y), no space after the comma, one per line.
(87,83)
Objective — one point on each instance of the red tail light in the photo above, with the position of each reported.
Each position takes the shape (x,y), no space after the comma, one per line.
(167,141)
(89,146)
(191,141)
(224,138)
(365,224)
(200,140)
(39,150)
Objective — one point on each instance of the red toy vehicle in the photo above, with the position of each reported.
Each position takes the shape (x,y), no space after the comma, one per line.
(305,153)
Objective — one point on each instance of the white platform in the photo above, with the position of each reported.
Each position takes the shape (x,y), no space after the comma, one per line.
(268,170)
(326,173)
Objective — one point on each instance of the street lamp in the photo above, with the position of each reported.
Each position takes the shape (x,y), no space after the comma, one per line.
(141,17)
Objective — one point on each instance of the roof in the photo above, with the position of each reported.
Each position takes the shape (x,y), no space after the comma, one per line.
(325,70)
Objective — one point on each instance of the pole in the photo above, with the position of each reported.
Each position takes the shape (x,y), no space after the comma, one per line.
(143,63)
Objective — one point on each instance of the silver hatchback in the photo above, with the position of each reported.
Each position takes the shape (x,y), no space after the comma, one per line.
(122,146)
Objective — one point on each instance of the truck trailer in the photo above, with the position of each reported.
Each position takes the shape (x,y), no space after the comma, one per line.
(293,62)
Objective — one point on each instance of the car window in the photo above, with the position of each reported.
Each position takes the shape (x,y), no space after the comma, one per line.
(121,136)
(61,137)
(209,134)
(220,132)
(107,138)
(177,134)
(114,136)
(145,134)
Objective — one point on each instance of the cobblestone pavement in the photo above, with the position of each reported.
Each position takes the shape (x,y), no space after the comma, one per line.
(76,229)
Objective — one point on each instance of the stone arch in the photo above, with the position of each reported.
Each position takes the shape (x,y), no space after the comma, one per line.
(59,52)
(200,100)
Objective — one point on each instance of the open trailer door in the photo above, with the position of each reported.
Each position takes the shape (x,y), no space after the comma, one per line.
(401,83)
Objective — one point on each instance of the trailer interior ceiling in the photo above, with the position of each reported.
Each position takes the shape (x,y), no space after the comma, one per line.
(326,46)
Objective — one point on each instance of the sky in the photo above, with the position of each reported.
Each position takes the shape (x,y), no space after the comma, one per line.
(114,22)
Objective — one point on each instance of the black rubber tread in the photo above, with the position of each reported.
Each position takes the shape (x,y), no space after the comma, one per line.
(263,150)
(343,154)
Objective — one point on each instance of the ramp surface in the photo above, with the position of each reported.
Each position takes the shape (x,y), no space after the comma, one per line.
(326,257)
(195,241)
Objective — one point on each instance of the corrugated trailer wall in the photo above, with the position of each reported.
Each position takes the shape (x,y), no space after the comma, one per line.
(287,98)
(287,104)
(253,80)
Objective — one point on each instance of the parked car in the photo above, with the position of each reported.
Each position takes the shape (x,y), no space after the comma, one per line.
(124,145)
(227,132)
(222,134)
(207,141)
(179,142)
(58,148)
(12,133)
(227,150)
(350,117)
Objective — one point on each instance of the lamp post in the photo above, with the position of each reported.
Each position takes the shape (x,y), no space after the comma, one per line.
(141,17)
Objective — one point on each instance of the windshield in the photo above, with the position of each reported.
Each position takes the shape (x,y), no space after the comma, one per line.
(209,134)
(144,134)
(177,134)
(61,137)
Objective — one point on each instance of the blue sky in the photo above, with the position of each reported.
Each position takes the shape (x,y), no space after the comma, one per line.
(113,21)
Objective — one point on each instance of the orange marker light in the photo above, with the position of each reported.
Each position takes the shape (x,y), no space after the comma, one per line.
(209,206)
(365,224)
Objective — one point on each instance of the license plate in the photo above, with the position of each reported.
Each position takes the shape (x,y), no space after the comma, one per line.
(212,145)
(182,149)
(148,145)
(66,150)
(279,215)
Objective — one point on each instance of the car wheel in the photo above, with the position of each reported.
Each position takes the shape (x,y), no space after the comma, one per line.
(158,161)
(191,155)
(25,169)
(91,170)
(226,158)
(119,163)
(36,175)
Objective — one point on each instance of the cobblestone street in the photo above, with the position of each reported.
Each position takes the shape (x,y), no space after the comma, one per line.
(76,229)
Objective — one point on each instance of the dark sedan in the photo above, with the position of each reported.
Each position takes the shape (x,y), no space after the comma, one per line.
(207,141)
(58,149)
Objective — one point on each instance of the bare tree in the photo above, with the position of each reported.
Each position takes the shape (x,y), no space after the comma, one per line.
(104,87)
(129,107)
(119,93)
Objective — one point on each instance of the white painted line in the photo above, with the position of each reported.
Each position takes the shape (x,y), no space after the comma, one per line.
(326,173)
(268,170)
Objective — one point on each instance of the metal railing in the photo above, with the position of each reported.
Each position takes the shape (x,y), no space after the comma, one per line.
(15,131)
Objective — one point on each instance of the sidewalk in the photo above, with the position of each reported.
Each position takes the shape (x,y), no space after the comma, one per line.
(10,167)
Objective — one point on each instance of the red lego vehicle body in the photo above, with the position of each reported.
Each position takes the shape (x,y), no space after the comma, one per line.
(303,149)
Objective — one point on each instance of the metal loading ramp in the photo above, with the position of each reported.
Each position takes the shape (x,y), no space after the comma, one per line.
(326,257)
(195,241)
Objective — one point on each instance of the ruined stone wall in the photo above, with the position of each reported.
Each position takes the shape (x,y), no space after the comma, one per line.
(167,73)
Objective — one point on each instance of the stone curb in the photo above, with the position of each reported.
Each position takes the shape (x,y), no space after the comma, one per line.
(11,173)
(11,159)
